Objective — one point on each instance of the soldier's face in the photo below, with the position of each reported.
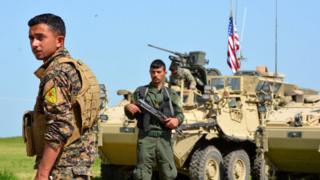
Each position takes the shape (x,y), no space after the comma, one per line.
(158,75)
(44,41)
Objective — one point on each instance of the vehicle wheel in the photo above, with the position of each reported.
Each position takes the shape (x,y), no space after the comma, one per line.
(206,164)
(259,169)
(236,165)
(115,172)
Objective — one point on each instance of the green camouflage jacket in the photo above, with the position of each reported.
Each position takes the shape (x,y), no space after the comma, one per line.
(57,85)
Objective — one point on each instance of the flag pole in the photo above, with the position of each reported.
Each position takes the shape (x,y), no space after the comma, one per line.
(233,42)
(276,39)
(236,12)
(231,7)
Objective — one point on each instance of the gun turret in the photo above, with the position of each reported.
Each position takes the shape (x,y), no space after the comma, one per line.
(194,58)
(194,61)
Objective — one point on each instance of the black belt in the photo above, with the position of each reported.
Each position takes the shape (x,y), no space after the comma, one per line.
(155,133)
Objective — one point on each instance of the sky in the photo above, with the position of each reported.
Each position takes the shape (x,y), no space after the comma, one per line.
(112,37)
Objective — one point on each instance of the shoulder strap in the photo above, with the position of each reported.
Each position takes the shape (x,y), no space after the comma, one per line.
(167,90)
(143,90)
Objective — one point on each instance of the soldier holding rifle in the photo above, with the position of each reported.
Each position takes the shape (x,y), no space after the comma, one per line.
(154,142)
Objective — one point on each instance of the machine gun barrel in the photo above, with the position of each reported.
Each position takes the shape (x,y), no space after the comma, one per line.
(169,51)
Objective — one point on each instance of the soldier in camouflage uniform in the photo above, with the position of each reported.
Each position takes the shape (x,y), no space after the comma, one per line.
(179,74)
(67,149)
(154,141)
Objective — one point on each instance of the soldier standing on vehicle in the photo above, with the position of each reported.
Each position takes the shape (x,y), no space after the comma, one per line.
(66,111)
(154,141)
(179,74)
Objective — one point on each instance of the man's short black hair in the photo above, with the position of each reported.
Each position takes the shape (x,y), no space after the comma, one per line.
(157,63)
(53,21)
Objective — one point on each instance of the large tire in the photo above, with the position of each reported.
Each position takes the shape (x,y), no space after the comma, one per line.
(259,169)
(115,172)
(206,164)
(236,165)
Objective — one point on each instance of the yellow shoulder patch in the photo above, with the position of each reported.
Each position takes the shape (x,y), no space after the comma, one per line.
(51,95)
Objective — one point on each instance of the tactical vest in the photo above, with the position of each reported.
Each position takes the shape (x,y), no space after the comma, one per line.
(165,107)
(85,106)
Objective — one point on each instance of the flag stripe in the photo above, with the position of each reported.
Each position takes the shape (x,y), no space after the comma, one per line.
(233,47)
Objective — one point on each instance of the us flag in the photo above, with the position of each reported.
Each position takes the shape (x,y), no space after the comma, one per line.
(233,47)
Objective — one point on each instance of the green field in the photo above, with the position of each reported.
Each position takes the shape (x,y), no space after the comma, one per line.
(14,163)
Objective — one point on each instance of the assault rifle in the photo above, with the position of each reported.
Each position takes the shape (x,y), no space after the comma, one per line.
(158,114)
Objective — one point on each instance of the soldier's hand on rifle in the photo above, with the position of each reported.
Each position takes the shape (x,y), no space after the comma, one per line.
(133,108)
(171,123)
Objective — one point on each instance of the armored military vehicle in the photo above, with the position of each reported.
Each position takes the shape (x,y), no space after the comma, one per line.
(288,142)
(223,136)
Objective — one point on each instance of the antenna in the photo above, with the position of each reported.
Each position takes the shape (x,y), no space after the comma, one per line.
(276,40)
(242,33)
(244,18)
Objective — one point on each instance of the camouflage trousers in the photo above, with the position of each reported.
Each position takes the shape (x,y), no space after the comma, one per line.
(154,151)
(69,173)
